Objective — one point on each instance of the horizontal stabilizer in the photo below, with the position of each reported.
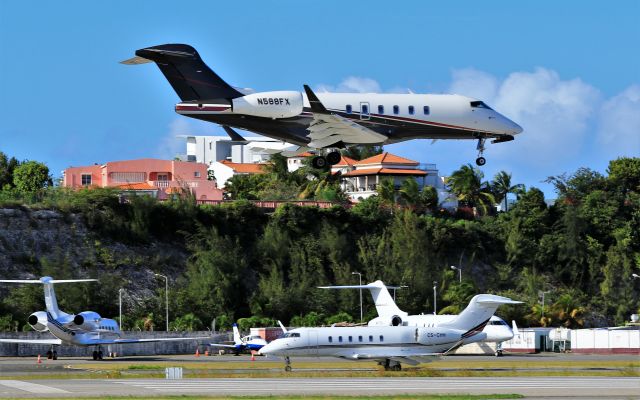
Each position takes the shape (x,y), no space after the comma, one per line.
(32,341)
(46,280)
(135,61)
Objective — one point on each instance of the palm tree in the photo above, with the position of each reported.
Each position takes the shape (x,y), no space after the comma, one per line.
(387,191)
(466,183)
(410,192)
(501,186)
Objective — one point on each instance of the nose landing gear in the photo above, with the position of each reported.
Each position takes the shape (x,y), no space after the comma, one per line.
(97,353)
(52,354)
(287,364)
(480,161)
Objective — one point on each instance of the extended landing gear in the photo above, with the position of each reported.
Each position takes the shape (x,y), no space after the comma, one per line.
(390,365)
(97,354)
(321,162)
(287,364)
(480,161)
(52,354)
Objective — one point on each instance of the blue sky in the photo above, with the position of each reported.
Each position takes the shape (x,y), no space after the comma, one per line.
(568,72)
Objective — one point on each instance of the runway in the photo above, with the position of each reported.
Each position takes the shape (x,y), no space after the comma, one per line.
(540,387)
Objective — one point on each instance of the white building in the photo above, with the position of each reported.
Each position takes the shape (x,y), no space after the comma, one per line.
(209,149)
(360,179)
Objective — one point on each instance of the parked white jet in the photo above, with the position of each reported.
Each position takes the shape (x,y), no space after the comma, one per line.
(390,345)
(497,330)
(87,328)
(324,120)
(240,344)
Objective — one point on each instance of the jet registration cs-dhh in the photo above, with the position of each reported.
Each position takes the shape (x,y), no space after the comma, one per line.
(324,121)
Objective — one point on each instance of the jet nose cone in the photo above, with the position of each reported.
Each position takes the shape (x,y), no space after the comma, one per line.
(516,128)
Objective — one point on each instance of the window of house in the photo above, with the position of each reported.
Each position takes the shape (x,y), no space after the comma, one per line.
(426,110)
(86,179)
(412,110)
(348,108)
(163,177)
(396,110)
(196,174)
(380,109)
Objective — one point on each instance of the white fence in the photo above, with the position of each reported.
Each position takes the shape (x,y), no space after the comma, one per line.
(605,341)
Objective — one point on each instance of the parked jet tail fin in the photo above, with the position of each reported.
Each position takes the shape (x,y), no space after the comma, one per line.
(385,305)
(516,331)
(236,335)
(189,76)
(49,293)
(475,317)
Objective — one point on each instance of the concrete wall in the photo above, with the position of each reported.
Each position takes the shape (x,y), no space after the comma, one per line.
(179,347)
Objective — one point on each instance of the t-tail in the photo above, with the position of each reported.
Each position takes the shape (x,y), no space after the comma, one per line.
(49,293)
(237,340)
(475,317)
(385,305)
(189,76)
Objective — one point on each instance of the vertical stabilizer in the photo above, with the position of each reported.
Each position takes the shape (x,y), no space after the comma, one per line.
(236,335)
(385,305)
(480,309)
(50,299)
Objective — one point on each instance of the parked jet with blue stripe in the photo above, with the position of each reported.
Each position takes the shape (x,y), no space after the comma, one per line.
(87,328)
(240,344)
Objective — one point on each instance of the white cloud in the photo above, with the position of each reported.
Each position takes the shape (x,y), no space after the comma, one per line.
(171,145)
(353,84)
(619,127)
(473,83)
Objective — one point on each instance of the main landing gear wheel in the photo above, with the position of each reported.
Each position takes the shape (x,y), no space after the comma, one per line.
(319,162)
(97,355)
(54,356)
(480,161)
(334,157)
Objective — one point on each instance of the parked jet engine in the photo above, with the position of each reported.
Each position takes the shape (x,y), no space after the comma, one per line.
(279,104)
(38,321)
(395,320)
(87,320)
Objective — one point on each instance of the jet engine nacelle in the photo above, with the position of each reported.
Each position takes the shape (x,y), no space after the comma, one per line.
(394,320)
(280,104)
(38,321)
(87,320)
(436,336)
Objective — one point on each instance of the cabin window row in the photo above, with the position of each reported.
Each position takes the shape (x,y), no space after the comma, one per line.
(360,339)
(396,109)
(108,328)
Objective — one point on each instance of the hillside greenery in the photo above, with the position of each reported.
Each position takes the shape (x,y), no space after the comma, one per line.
(243,263)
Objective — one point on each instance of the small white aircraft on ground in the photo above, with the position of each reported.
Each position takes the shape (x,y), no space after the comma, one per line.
(497,330)
(240,344)
(87,328)
(390,345)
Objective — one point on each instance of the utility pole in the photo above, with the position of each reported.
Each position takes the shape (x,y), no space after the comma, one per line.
(359,276)
(453,267)
(435,307)
(166,298)
(120,305)
(541,293)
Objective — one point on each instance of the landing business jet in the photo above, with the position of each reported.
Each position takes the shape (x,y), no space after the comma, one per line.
(87,328)
(324,120)
(497,330)
(390,345)
(240,344)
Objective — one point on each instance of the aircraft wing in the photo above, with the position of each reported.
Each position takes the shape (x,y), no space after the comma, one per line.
(226,346)
(413,359)
(327,129)
(134,340)
(32,341)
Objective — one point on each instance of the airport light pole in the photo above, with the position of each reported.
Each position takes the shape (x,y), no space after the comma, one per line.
(166,298)
(541,293)
(359,276)
(453,267)
(120,305)
(435,286)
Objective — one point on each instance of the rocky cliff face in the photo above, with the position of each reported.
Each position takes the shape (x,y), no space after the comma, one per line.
(34,243)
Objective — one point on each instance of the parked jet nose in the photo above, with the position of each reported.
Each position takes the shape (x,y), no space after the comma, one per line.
(270,348)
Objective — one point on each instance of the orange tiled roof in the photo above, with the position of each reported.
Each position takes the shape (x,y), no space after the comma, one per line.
(245,168)
(386,158)
(305,154)
(385,171)
(345,162)
(137,186)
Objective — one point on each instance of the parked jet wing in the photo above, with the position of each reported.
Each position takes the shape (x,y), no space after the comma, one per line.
(327,129)
(32,341)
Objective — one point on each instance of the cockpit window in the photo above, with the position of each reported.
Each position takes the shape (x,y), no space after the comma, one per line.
(291,334)
(479,104)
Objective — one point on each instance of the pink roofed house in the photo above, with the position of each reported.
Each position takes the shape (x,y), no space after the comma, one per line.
(158,178)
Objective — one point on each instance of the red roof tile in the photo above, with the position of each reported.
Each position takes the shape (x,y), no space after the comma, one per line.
(245,168)
(386,158)
(385,171)
(345,162)
(137,186)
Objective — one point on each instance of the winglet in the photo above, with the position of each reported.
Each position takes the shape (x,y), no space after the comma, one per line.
(316,104)
(516,332)
(235,136)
